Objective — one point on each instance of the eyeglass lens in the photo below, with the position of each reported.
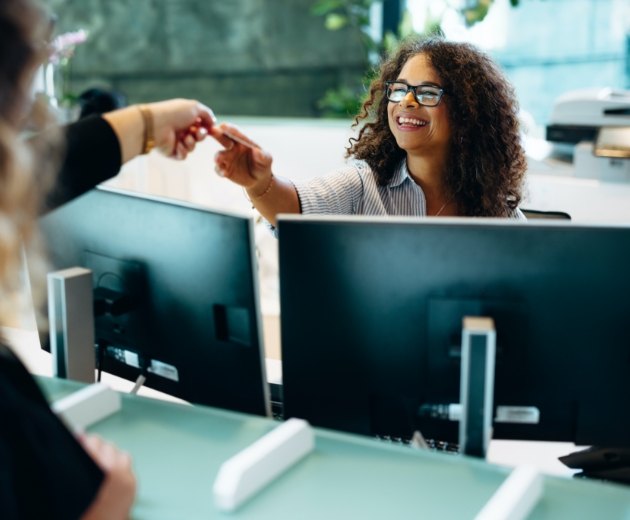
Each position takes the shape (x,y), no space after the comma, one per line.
(424,94)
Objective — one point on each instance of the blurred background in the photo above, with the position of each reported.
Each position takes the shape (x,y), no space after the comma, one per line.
(312,58)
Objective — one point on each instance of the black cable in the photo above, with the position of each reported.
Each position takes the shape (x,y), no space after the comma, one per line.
(100,357)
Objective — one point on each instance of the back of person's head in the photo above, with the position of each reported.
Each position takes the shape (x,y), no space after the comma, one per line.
(100,101)
(25,31)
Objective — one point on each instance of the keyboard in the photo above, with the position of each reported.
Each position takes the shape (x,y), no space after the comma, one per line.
(419,442)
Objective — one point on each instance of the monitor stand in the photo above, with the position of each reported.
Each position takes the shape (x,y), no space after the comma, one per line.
(71,322)
(476,385)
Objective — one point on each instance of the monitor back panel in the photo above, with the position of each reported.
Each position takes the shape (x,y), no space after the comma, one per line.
(188,277)
(372,312)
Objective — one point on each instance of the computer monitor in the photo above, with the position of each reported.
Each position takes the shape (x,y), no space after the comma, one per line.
(372,312)
(180,281)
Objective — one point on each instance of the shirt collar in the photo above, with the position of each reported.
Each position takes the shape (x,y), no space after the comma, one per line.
(401,175)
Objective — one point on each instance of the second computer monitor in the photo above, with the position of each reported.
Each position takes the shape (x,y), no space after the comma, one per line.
(372,312)
(176,297)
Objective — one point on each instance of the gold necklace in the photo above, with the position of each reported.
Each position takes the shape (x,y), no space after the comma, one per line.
(442,208)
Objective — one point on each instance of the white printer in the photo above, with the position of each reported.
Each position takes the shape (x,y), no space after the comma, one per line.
(593,126)
(578,115)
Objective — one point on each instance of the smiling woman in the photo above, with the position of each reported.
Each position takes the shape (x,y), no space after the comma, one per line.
(440,136)
(469,152)
(420,125)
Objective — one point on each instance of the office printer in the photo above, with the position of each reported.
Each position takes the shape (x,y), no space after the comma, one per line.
(593,127)
(578,115)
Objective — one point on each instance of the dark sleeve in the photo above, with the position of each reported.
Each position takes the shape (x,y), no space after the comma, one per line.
(92,156)
(44,471)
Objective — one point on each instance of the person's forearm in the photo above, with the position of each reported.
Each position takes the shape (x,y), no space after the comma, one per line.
(274,196)
(128,125)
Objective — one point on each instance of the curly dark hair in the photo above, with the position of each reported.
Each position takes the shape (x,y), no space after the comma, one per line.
(486,164)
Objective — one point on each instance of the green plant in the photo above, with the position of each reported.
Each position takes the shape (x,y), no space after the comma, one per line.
(345,100)
(477,10)
(339,14)
(342,101)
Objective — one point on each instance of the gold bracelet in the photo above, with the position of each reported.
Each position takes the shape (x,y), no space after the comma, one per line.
(148,141)
(266,189)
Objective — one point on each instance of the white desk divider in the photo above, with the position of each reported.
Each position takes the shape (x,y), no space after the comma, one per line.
(251,469)
(516,497)
(87,406)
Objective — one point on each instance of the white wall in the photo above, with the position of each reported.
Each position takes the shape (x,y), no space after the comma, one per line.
(305,148)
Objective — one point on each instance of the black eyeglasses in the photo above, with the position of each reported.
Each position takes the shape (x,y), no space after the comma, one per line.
(427,95)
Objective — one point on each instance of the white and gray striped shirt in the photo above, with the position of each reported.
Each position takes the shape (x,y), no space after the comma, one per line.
(353,190)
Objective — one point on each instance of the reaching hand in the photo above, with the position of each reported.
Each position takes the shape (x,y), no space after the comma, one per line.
(242,161)
(179,125)
(117,492)
(176,125)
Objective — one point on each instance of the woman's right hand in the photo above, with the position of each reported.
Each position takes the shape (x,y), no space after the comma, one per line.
(118,490)
(245,164)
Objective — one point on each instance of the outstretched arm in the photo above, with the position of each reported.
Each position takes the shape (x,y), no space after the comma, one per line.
(176,126)
(98,146)
(246,164)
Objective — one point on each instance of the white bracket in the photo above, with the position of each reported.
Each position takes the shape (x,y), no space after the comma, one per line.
(516,497)
(87,406)
(251,469)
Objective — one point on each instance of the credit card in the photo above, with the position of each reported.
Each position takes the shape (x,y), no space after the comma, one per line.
(238,140)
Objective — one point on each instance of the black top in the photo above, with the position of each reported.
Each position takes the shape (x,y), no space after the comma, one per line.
(44,471)
(93,155)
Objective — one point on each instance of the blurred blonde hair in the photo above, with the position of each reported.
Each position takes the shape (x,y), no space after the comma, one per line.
(26,164)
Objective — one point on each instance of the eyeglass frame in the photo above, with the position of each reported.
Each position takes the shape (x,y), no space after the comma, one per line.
(413,88)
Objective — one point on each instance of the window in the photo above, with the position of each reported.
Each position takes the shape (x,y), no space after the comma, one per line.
(546,47)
